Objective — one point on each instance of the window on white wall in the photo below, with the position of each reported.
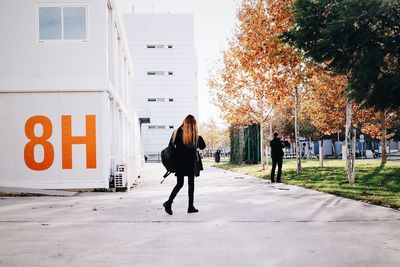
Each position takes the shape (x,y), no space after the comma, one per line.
(155,99)
(155,46)
(156,127)
(50,25)
(63,23)
(156,73)
(74,23)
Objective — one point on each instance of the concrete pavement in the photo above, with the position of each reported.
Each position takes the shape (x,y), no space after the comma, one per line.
(17,191)
(243,221)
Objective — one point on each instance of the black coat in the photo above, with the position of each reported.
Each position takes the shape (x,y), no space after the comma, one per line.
(276,148)
(186,159)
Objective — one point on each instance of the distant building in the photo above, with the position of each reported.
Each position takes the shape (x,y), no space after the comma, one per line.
(66,98)
(165,81)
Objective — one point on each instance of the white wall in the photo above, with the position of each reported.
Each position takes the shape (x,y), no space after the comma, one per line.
(17,108)
(27,65)
(164,29)
(55,78)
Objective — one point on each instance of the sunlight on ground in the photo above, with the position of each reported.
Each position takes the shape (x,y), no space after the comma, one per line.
(374,183)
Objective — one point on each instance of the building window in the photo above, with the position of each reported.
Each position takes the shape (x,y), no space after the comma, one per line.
(157,127)
(170,73)
(155,99)
(74,23)
(156,73)
(171,127)
(63,23)
(50,23)
(156,46)
(169,46)
(171,100)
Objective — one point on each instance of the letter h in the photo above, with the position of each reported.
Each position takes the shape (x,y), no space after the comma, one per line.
(68,140)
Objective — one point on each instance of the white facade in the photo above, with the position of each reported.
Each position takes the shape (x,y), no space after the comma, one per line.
(66,99)
(165,82)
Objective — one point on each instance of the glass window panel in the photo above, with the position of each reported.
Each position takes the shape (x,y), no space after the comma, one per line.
(50,23)
(74,23)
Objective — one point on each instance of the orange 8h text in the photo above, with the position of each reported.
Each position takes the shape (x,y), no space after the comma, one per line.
(67,140)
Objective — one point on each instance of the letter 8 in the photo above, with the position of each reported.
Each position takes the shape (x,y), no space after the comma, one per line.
(29,150)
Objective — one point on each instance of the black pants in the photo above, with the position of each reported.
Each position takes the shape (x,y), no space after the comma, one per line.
(179,185)
(276,160)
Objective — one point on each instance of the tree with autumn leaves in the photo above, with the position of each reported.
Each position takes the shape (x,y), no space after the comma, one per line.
(259,75)
(259,78)
(359,40)
(217,137)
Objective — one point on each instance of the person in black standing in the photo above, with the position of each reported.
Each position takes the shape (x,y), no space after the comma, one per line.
(277,157)
(186,160)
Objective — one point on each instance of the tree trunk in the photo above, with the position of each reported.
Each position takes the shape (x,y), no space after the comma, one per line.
(242,144)
(354,143)
(335,154)
(296,130)
(262,145)
(309,148)
(268,152)
(321,153)
(350,156)
(383,139)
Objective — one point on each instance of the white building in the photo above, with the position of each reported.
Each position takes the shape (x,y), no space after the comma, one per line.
(65,95)
(165,81)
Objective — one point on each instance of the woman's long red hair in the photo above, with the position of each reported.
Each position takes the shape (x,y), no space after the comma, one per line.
(190,132)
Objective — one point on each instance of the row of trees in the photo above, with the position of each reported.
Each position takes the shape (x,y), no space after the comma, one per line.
(217,137)
(316,63)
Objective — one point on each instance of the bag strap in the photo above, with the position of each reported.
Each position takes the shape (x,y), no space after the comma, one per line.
(165,176)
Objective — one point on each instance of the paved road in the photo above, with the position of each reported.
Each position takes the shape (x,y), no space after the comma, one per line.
(243,221)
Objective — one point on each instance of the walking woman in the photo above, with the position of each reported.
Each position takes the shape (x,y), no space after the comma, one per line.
(186,160)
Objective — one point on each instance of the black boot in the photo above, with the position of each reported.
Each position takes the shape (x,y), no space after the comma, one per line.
(167,207)
(192,209)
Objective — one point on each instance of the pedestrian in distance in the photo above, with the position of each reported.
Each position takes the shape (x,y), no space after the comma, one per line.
(186,159)
(277,157)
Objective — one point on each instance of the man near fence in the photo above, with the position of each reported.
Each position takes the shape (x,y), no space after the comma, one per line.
(277,157)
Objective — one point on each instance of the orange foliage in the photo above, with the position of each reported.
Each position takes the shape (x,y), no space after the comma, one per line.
(257,72)
(327,103)
(257,75)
